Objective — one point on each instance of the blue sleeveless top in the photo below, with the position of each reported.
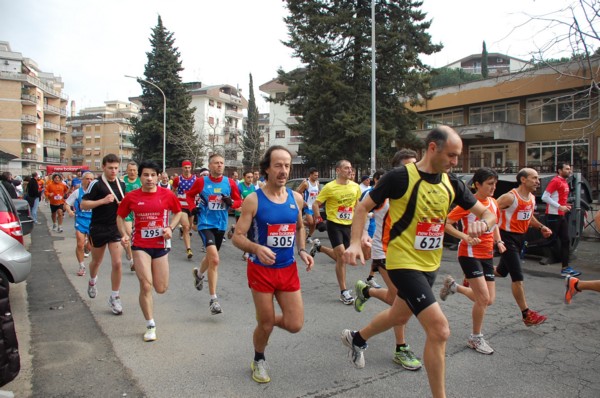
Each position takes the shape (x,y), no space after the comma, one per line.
(274,226)
(212,211)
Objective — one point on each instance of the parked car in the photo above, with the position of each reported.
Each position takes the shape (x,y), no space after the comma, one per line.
(547,249)
(15,260)
(294,183)
(24,212)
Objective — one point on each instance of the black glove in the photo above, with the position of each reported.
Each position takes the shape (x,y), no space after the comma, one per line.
(227,200)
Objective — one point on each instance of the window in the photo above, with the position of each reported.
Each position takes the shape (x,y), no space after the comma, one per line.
(219,105)
(211,102)
(558,108)
(494,113)
(450,118)
(280,96)
(544,155)
(88,139)
(97,164)
(280,134)
(295,136)
(211,120)
(230,154)
(97,127)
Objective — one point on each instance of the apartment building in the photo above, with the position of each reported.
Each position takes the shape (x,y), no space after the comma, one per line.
(218,120)
(279,118)
(98,131)
(498,64)
(533,118)
(33,115)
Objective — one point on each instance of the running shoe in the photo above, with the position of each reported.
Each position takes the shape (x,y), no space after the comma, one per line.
(81,271)
(479,344)
(150,334)
(360,300)
(215,307)
(115,305)
(259,371)
(60,229)
(54,227)
(86,254)
(230,233)
(446,289)
(533,318)
(569,271)
(373,283)
(346,297)
(92,290)
(316,247)
(189,253)
(355,353)
(309,240)
(405,357)
(570,288)
(198,279)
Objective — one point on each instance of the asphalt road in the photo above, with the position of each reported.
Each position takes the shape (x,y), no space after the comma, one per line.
(77,347)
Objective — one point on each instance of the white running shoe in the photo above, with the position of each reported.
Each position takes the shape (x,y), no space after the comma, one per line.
(150,334)
(115,305)
(355,353)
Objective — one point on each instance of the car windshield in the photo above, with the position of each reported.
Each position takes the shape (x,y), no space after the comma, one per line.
(4,200)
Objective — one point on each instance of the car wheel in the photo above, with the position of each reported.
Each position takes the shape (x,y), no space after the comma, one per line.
(4,281)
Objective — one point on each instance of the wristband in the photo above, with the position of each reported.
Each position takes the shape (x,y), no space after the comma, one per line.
(542,227)
(499,242)
(486,225)
(302,250)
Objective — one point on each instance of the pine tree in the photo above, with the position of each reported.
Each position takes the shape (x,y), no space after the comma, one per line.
(332,93)
(251,139)
(484,62)
(163,69)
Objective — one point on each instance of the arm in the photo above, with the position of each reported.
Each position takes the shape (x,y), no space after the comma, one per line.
(547,197)
(316,211)
(302,187)
(498,240)
(174,221)
(301,234)
(471,241)
(87,204)
(535,223)
(123,231)
(190,196)
(354,251)
(235,195)
(486,220)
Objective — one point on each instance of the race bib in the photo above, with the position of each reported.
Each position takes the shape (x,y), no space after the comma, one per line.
(149,233)
(281,235)
(57,197)
(429,236)
(524,215)
(344,213)
(215,202)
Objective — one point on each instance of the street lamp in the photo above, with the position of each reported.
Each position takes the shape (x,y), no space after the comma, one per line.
(164,159)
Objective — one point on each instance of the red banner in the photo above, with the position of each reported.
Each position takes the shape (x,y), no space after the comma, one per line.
(65,169)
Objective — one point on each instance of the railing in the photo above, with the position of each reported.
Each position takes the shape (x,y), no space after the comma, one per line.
(76,133)
(55,109)
(28,119)
(29,156)
(77,157)
(55,160)
(55,127)
(55,143)
(33,81)
(29,138)
(77,145)
(235,114)
(29,97)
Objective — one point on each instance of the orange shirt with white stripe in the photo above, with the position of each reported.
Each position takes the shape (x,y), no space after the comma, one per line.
(516,217)
(485,249)
(56,192)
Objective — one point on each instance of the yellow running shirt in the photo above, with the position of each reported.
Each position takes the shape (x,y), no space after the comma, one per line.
(340,201)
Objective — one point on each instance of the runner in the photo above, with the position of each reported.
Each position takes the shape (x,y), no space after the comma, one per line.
(132,181)
(403,355)
(82,219)
(246,188)
(217,194)
(164,182)
(181,185)
(56,192)
(476,257)
(103,197)
(309,188)
(413,236)
(276,219)
(340,197)
(150,242)
(516,216)
(556,196)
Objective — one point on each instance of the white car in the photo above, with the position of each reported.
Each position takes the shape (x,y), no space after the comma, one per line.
(15,260)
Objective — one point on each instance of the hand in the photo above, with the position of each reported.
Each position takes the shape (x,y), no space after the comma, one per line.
(546,232)
(308,259)
(167,233)
(471,241)
(477,228)
(501,247)
(227,200)
(353,252)
(565,208)
(265,255)
(109,198)
(125,241)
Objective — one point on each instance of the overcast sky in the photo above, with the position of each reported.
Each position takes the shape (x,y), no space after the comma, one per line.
(91,44)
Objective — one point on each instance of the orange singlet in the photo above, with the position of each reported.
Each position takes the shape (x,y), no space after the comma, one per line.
(517,216)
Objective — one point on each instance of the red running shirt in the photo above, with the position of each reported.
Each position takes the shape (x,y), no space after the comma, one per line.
(151,215)
(485,249)
(516,217)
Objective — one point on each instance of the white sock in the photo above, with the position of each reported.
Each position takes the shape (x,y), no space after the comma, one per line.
(82,264)
(150,323)
(115,294)
(94,280)
(213,296)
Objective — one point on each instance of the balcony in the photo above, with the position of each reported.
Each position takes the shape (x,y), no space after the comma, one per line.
(230,98)
(495,130)
(77,145)
(76,133)
(29,138)
(235,114)
(127,145)
(55,144)
(77,157)
(29,156)
(55,110)
(55,160)
(28,99)
(28,119)
(54,127)
(33,81)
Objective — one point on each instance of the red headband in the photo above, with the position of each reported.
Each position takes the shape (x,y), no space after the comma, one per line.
(186,163)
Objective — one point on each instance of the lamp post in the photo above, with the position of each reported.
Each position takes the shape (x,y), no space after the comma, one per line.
(164,159)
(373,92)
